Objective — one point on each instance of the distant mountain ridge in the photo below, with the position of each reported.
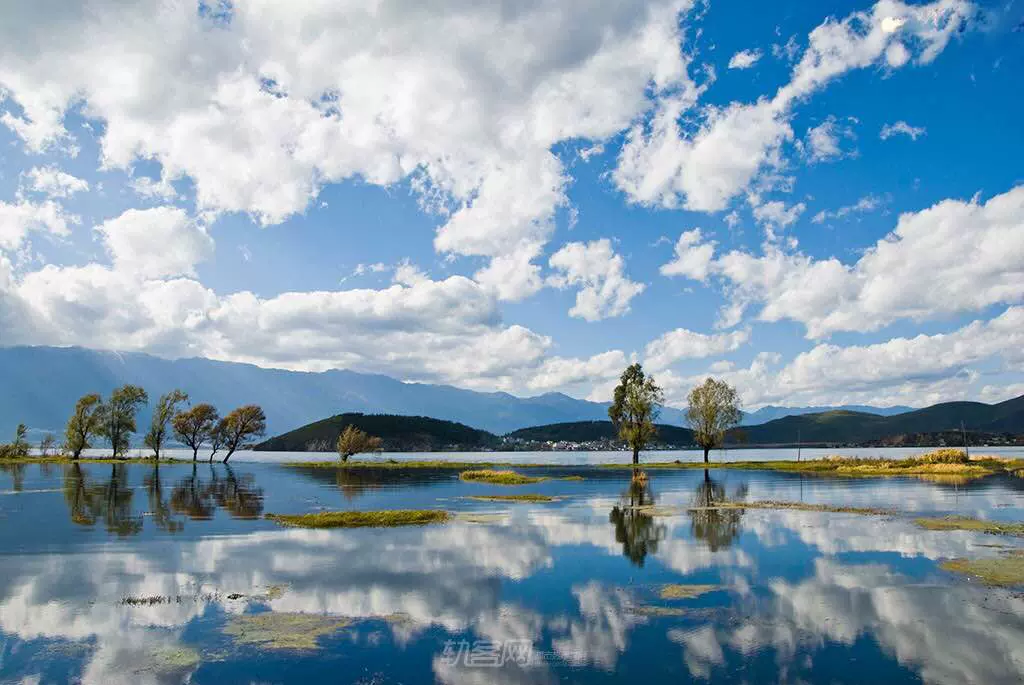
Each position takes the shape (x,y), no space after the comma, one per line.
(41,384)
(772,412)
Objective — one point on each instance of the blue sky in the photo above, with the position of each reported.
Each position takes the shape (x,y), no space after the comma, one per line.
(528,198)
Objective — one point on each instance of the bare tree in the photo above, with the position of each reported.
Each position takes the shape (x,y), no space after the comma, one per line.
(46,445)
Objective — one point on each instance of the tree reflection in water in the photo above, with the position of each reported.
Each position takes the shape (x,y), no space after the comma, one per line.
(635,529)
(717,527)
(195,497)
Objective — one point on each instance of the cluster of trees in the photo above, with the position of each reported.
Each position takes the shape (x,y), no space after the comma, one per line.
(356,441)
(114,421)
(714,408)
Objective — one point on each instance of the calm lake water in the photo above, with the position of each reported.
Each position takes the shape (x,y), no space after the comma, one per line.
(127,573)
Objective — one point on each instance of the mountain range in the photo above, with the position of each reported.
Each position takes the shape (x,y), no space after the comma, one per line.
(41,384)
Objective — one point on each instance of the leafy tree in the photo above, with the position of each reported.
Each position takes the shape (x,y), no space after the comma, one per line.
(84,424)
(18,448)
(47,444)
(119,417)
(238,428)
(194,426)
(714,409)
(166,410)
(355,441)
(635,407)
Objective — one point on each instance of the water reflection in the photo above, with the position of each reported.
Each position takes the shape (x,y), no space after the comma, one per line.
(718,528)
(90,500)
(635,528)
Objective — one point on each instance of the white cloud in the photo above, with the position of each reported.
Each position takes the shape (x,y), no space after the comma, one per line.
(777,214)
(901,128)
(692,257)
(156,243)
(561,372)
(685,344)
(261,110)
(744,59)
(919,370)
(868,203)
(53,182)
(605,290)
(703,167)
(823,142)
(949,258)
(22,216)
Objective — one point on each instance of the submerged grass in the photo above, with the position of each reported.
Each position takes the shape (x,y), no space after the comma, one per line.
(498,477)
(273,630)
(362,519)
(1004,570)
(971,524)
(514,498)
(682,591)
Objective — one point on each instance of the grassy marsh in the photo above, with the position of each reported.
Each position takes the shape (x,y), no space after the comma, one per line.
(1007,569)
(971,524)
(682,591)
(498,477)
(273,630)
(514,498)
(362,519)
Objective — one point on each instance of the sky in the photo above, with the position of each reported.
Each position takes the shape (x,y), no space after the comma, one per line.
(820,203)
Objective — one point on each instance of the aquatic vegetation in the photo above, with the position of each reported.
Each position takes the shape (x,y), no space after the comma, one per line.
(171,659)
(498,477)
(362,519)
(572,478)
(514,498)
(655,610)
(273,630)
(1007,569)
(682,591)
(971,524)
(473,517)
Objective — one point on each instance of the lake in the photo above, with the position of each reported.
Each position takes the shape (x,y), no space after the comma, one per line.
(127,573)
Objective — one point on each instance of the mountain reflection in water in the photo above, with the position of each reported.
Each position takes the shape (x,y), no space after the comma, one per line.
(130,573)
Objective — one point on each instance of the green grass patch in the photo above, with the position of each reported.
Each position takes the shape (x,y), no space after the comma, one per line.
(1005,570)
(362,519)
(287,631)
(514,498)
(971,524)
(681,591)
(498,477)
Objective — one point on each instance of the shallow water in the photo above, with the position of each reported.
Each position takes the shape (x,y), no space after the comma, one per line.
(126,573)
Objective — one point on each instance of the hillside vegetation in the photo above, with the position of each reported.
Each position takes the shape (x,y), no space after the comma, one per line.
(397,433)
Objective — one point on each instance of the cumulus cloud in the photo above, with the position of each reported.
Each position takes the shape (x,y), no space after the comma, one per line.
(744,59)
(901,128)
(823,143)
(53,182)
(953,257)
(702,168)
(692,257)
(604,289)
(686,344)
(18,218)
(157,242)
(262,105)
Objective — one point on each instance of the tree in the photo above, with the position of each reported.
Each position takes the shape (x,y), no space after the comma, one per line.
(47,444)
(239,427)
(355,441)
(119,417)
(218,436)
(166,410)
(635,407)
(84,424)
(18,448)
(714,409)
(194,426)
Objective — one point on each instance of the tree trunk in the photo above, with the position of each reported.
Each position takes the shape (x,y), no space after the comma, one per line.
(228,455)
(706,450)
(195,454)
(636,455)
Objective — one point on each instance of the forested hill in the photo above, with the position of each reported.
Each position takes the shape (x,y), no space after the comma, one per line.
(859,427)
(595,431)
(398,433)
